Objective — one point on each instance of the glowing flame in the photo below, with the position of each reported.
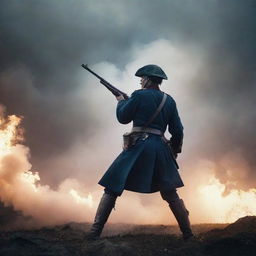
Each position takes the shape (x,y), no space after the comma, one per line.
(8,133)
(229,208)
(20,187)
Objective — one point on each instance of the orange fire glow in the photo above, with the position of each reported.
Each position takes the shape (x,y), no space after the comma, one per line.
(20,186)
(8,133)
(226,208)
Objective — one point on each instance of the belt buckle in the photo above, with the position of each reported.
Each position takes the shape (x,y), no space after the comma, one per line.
(144,136)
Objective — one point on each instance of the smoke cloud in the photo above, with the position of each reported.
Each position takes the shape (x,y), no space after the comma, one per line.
(206,48)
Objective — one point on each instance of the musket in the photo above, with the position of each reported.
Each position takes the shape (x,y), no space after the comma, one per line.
(109,86)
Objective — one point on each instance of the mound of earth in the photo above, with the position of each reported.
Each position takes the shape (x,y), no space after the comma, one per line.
(243,225)
(238,238)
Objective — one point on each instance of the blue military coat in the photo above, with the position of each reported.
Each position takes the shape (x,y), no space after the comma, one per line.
(147,166)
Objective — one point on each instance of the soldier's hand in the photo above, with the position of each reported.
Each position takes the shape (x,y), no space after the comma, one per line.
(120,97)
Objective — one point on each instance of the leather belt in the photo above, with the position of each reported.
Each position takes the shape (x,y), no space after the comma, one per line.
(149,130)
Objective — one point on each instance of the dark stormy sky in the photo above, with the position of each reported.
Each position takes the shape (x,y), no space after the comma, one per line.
(44,42)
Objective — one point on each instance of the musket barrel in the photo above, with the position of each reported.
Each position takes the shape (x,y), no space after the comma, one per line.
(109,86)
(85,66)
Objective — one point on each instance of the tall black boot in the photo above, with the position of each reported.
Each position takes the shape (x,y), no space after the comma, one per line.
(181,214)
(105,207)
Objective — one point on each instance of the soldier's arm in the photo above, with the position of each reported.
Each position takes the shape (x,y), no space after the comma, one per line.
(126,109)
(176,130)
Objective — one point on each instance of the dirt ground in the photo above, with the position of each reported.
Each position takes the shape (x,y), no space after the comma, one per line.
(234,239)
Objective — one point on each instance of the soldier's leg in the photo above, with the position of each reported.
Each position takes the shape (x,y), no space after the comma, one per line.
(179,210)
(107,203)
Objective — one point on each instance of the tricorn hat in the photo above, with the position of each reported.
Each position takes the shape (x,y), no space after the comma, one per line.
(151,70)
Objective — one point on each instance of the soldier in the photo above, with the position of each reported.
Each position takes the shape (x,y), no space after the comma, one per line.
(148,165)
